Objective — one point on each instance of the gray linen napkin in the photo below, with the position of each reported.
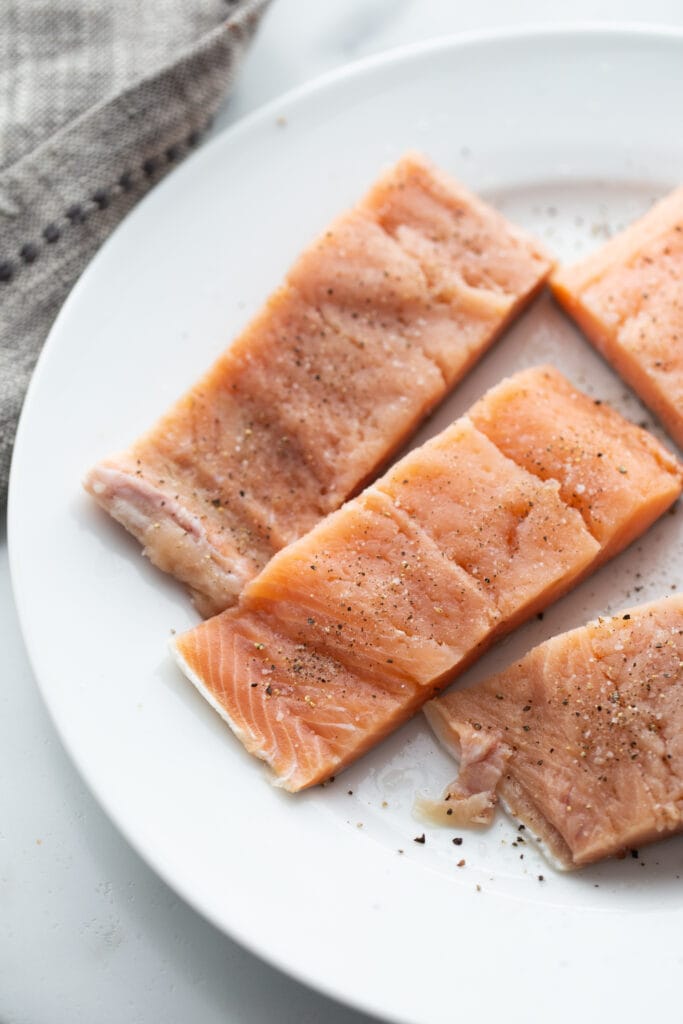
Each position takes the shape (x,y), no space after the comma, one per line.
(97,102)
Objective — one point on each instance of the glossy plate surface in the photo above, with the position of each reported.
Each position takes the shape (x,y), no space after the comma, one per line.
(571,134)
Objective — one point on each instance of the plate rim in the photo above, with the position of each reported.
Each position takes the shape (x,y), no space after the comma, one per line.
(301,93)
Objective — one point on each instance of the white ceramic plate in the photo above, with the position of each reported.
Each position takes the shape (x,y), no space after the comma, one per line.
(572,134)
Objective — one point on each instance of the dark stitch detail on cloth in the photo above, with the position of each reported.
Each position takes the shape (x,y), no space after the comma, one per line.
(77,213)
(29,252)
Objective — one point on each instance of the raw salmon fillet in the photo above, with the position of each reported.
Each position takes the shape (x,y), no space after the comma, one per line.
(582,738)
(626,297)
(349,630)
(375,322)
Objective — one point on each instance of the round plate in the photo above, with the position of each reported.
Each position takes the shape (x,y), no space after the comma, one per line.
(571,134)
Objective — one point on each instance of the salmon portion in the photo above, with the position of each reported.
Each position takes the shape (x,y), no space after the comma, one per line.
(616,475)
(288,703)
(458,239)
(583,738)
(363,586)
(510,532)
(626,299)
(350,629)
(374,323)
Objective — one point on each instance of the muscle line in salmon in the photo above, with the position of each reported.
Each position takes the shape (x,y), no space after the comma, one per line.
(582,738)
(349,630)
(375,322)
(626,297)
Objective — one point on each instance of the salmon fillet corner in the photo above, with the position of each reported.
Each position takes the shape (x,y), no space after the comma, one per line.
(582,739)
(375,322)
(626,297)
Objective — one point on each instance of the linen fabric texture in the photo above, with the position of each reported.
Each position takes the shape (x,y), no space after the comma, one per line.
(97,102)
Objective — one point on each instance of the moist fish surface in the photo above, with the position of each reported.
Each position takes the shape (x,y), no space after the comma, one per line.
(583,738)
(350,629)
(626,297)
(375,322)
